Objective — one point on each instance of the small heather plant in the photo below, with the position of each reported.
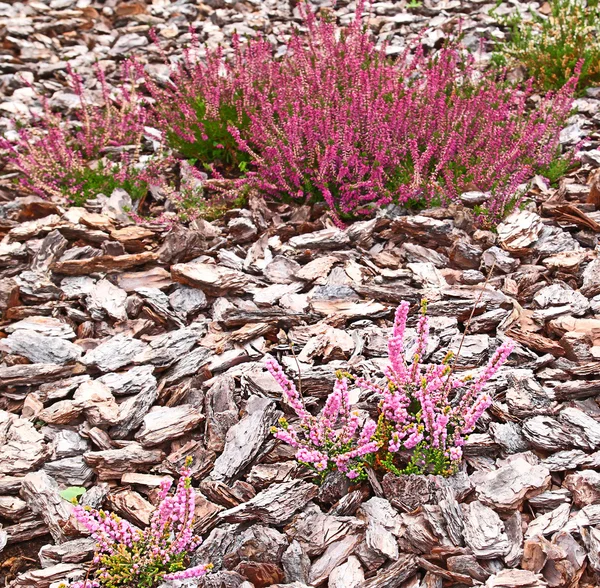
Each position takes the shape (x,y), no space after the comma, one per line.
(425,410)
(59,161)
(552,48)
(127,556)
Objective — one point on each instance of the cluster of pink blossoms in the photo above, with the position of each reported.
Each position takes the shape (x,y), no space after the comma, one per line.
(159,552)
(428,405)
(331,439)
(425,409)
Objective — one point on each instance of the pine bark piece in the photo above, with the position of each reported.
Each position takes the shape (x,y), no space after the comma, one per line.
(156,277)
(43,325)
(205,514)
(484,531)
(467,564)
(259,544)
(214,280)
(164,350)
(102,263)
(514,532)
(548,434)
(519,230)
(45,577)
(334,555)
(113,463)
(394,575)
(22,446)
(159,302)
(40,349)
(244,440)
(322,240)
(74,551)
(113,354)
(12,508)
(134,409)
(296,564)
(70,471)
(221,412)
(107,298)
(98,403)
(589,426)
(347,575)
(9,294)
(26,531)
(63,412)
(187,300)
(32,374)
(584,486)
(315,530)
(189,365)
(163,424)
(41,492)
(515,579)
(131,506)
(275,505)
(576,389)
(508,486)
(422,228)
(137,380)
(549,523)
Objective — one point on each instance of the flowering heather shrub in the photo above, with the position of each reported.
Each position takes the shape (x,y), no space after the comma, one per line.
(425,409)
(61,162)
(127,557)
(343,124)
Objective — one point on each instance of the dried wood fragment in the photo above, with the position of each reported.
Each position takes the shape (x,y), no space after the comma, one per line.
(41,492)
(484,531)
(508,486)
(244,440)
(102,263)
(275,505)
(334,555)
(45,577)
(113,463)
(115,353)
(213,280)
(163,424)
(394,575)
(22,447)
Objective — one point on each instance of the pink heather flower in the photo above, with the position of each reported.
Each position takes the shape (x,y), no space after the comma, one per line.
(332,439)
(288,387)
(169,539)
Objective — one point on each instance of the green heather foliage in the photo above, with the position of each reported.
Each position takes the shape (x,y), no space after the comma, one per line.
(551,47)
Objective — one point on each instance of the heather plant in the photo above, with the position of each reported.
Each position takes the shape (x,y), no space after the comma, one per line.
(127,556)
(335,120)
(344,124)
(551,47)
(426,412)
(81,160)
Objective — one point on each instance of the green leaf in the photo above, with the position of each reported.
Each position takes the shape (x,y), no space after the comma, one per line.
(72,492)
